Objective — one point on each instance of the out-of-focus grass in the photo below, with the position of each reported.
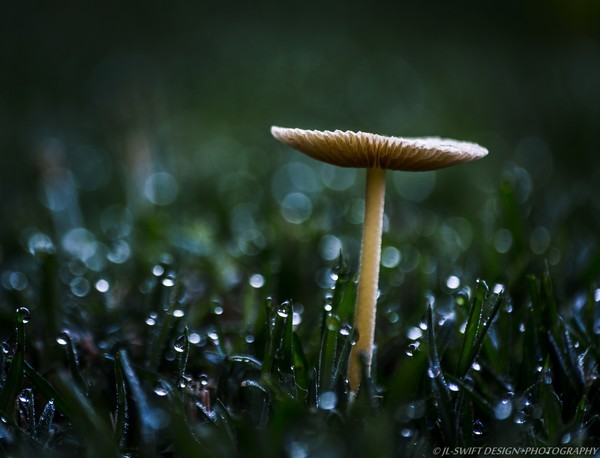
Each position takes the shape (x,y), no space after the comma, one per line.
(167,358)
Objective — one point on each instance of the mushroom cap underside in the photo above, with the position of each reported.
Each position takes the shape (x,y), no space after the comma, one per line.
(365,150)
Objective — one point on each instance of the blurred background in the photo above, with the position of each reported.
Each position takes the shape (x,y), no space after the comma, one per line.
(139,131)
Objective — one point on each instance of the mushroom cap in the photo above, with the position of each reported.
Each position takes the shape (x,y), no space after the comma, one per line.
(365,150)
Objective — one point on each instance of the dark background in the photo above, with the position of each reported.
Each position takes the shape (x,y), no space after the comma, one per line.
(104,95)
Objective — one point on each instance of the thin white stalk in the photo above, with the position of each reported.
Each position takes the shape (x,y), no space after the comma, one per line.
(368,276)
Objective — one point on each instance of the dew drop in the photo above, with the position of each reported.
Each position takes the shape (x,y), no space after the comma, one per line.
(180,344)
(345,330)
(414,333)
(478,428)
(25,396)
(423,326)
(433,372)
(203,379)
(453,282)
(453,387)
(80,286)
(296,318)
(212,335)
(547,376)
(178,313)
(520,418)
(327,400)
(150,321)
(412,348)
(161,389)
(249,338)
(332,322)
(407,432)
(63,338)
(257,281)
(218,310)
(23,315)
(503,409)
(475,366)
(194,338)
(168,281)
(566,438)
(282,312)
(158,270)
(102,286)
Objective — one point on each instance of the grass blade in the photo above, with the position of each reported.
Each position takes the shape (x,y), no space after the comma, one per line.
(14,379)
(469,351)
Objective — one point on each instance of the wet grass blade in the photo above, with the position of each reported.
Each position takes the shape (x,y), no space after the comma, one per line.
(469,351)
(44,425)
(441,392)
(14,379)
(122,408)
(145,414)
(328,351)
(92,428)
(492,302)
(551,406)
(73,361)
(166,325)
(182,346)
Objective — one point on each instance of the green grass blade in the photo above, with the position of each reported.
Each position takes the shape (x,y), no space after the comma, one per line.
(145,414)
(122,407)
(93,429)
(440,390)
(468,351)
(328,351)
(14,379)
(551,406)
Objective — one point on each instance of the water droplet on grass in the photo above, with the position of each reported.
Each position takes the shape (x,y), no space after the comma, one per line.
(407,432)
(520,418)
(194,338)
(414,333)
(503,409)
(180,344)
(453,387)
(433,371)
(478,428)
(345,330)
(80,286)
(178,313)
(453,282)
(218,310)
(102,286)
(203,379)
(161,389)
(257,281)
(17,281)
(566,438)
(213,335)
(249,338)
(23,315)
(327,400)
(169,281)
(158,270)
(63,338)
(412,348)
(547,376)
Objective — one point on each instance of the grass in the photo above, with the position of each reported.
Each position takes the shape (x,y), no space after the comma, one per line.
(165,360)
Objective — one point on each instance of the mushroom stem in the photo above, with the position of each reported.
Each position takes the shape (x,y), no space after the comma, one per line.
(368,276)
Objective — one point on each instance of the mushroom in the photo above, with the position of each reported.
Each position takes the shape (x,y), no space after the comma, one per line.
(376,153)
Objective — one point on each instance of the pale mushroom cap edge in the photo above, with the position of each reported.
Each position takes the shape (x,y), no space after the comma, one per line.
(365,150)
